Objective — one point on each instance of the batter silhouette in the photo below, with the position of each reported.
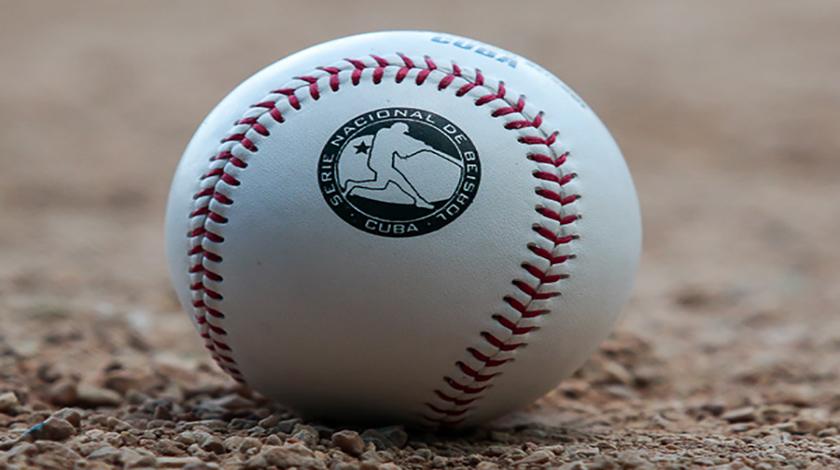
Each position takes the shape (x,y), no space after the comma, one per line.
(389,144)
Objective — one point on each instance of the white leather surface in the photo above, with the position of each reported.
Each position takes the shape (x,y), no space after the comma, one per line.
(345,325)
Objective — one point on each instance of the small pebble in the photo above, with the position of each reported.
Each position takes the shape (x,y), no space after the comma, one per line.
(135,397)
(249,443)
(177,462)
(741,427)
(63,393)
(122,381)
(346,466)
(827,432)
(487,465)
(117,424)
(199,466)
(269,422)
(137,458)
(160,423)
(538,457)
(168,448)
(241,423)
(273,440)
(162,413)
(200,436)
(48,373)
(233,443)
(215,425)
(70,415)
(290,455)
(257,431)
(129,439)
(8,402)
(286,426)
(186,438)
(214,445)
(350,442)
(91,396)
(495,451)
(307,434)
(231,402)
(196,451)
(107,454)
(615,372)
(438,462)
(583,451)
(53,429)
(379,439)
(395,434)
(739,415)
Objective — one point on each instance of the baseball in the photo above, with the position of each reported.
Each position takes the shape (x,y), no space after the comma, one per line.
(403,227)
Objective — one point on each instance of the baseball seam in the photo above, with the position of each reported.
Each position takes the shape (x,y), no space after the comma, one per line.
(457,396)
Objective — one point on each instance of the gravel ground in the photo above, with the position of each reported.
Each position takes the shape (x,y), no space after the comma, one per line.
(726,358)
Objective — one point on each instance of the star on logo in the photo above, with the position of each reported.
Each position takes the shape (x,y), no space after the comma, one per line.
(362,148)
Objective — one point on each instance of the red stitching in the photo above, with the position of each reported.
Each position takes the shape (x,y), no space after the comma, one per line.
(523,308)
(213,312)
(447,412)
(213,237)
(548,234)
(290,95)
(518,108)
(487,360)
(314,92)
(551,161)
(457,401)
(561,180)
(334,79)
(550,214)
(524,123)
(543,276)
(465,388)
(563,200)
(537,140)
(203,192)
(513,326)
(217,217)
(475,373)
(215,296)
(424,73)
(499,344)
(459,396)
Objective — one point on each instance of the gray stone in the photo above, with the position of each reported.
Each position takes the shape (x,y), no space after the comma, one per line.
(350,442)
(306,434)
(395,434)
(162,413)
(214,445)
(269,422)
(107,454)
(286,426)
(63,393)
(8,402)
(53,429)
(740,415)
(70,415)
(91,396)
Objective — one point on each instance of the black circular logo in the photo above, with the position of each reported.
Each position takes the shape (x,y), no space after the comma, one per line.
(399,172)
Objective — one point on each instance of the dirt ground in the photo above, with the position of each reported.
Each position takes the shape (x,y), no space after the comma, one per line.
(728,114)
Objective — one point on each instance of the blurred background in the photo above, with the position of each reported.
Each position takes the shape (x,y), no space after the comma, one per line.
(728,114)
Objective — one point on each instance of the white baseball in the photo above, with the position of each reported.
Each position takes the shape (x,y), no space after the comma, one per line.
(403,227)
